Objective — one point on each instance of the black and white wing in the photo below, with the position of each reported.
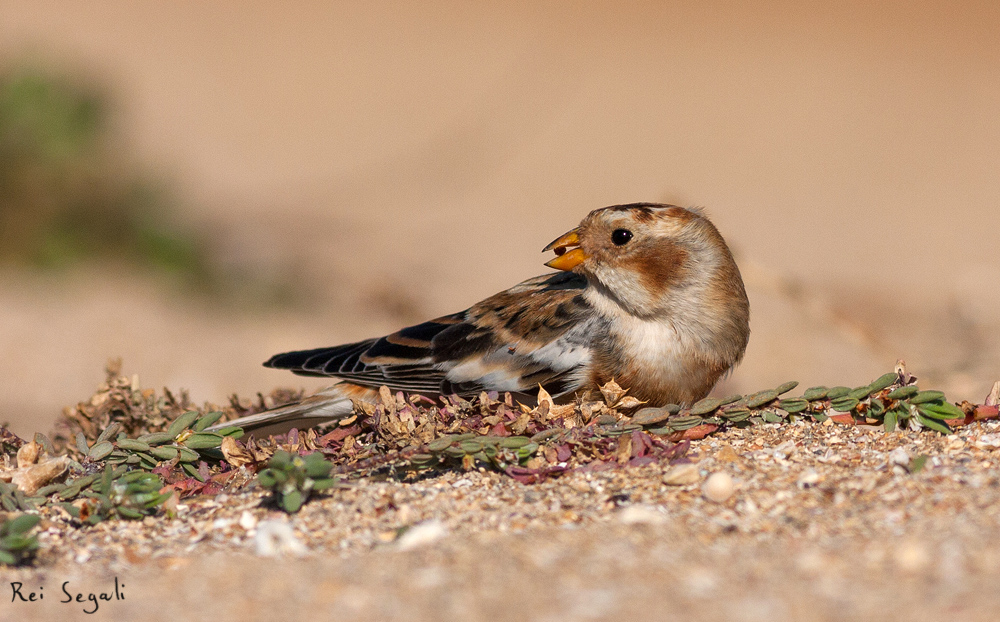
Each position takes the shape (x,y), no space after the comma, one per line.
(536,333)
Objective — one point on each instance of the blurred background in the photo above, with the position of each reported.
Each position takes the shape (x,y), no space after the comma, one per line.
(194,186)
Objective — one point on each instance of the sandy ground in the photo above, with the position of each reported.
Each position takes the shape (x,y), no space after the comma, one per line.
(819,522)
(404,160)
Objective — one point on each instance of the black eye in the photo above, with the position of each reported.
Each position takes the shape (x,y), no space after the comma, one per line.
(621,236)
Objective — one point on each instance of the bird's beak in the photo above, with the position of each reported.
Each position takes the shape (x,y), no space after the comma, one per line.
(566,260)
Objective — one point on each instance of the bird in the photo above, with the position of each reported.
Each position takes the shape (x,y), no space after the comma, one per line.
(645,294)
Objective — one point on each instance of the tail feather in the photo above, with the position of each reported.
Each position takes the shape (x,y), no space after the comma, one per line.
(322,407)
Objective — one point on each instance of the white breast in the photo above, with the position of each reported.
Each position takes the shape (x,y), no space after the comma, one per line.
(666,353)
(655,345)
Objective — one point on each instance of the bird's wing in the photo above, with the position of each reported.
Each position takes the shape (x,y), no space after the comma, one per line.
(537,332)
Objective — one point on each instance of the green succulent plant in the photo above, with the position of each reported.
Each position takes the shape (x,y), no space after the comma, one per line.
(498,451)
(186,439)
(888,400)
(16,545)
(292,478)
(12,499)
(115,493)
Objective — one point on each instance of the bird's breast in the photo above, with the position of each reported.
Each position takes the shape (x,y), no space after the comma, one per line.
(657,362)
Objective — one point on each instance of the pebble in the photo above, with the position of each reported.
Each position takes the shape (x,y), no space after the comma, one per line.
(808,479)
(718,487)
(988,441)
(247,520)
(682,475)
(275,537)
(899,460)
(422,534)
(784,450)
(727,454)
(641,515)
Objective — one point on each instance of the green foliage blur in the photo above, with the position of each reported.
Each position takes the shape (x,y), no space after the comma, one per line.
(68,194)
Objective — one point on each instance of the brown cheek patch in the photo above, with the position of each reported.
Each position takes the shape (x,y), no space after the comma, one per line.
(659,267)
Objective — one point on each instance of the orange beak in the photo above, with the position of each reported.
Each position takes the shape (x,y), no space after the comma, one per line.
(566,260)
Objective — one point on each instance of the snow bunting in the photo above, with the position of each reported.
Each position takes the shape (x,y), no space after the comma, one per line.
(646,294)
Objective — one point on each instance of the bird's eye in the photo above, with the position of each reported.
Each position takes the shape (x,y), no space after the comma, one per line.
(621,236)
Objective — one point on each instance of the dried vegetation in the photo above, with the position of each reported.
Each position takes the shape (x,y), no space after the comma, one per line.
(130,453)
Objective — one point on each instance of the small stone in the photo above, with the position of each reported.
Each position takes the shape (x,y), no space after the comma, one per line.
(899,456)
(247,520)
(682,475)
(404,515)
(988,441)
(422,534)
(641,515)
(809,478)
(784,450)
(718,487)
(899,461)
(726,453)
(276,538)
(747,508)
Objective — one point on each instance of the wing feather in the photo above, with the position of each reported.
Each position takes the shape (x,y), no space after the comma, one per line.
(535,333)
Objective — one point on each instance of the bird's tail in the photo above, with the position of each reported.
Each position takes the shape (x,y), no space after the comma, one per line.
(321,407)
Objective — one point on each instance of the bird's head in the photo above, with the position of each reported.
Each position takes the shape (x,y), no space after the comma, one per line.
(650,258)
